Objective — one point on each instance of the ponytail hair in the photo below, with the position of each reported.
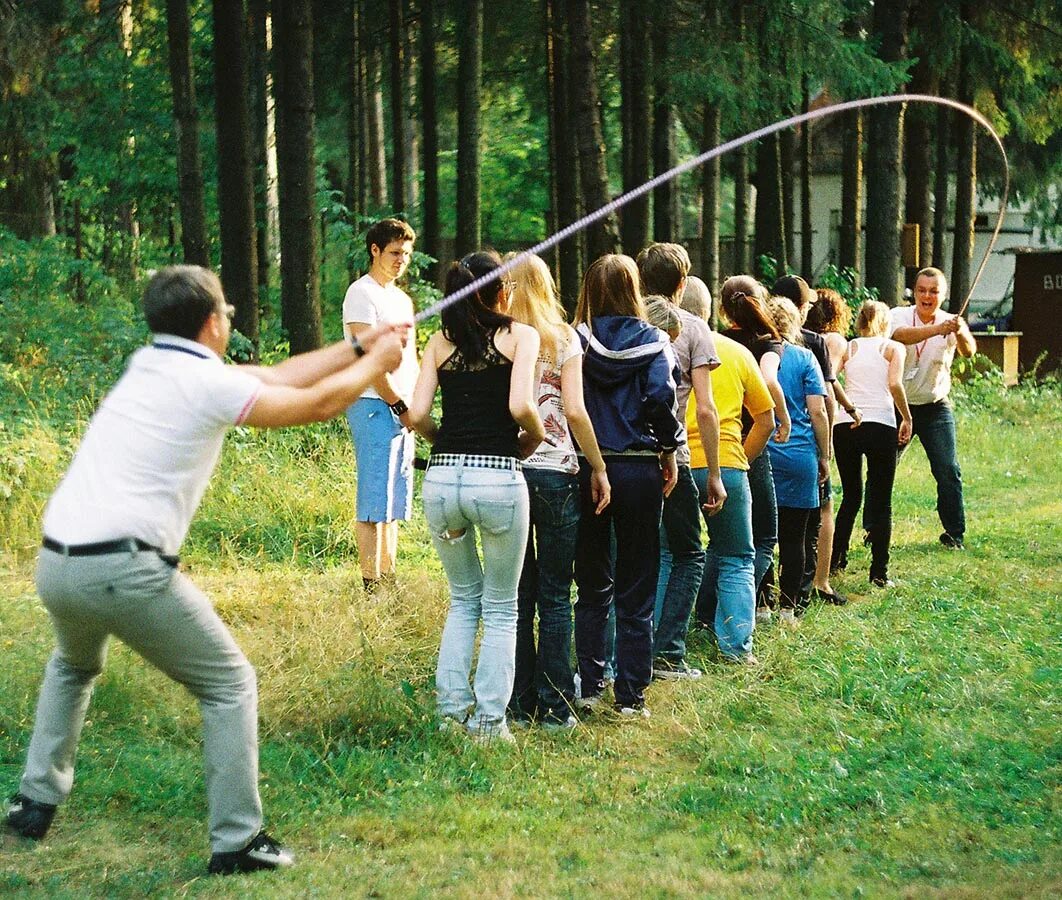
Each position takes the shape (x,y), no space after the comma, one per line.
(470,323)
(742,301)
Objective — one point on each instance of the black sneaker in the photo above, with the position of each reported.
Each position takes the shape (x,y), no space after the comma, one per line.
(262,853)
(952,542)
(29,818)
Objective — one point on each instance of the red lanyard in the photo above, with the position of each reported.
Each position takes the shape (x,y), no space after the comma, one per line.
(919,347)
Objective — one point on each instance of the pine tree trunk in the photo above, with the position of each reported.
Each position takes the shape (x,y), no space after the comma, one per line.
(430,125)
(412,147)
(942,142)
(186,124)
(786,163)
(353,194)
(917,153)
(469,84)
(239,259)
(602,237)
(710,199)
(770,224)
(741,210)
(300,304)
(634,217)
(884,158)
(396,47)
(258,13)
(569,194)
(807,257)
(663,196)
(377,155)
(851,192)
(965,178)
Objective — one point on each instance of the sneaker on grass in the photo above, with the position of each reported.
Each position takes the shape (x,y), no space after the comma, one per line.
(788,618)
(558,725)
(763,615)
(745,659)
(262,853)
(29,818)
(632,712)
(485,732)
(669,669)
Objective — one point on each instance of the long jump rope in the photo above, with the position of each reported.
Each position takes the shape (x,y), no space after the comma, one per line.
(821,113)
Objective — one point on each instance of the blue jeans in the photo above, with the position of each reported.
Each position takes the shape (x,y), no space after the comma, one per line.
(457,501)
(681,567)
(934,426)
(628,580)
(544,684)
(728,591)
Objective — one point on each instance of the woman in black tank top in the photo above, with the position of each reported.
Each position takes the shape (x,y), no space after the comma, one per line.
(484,363)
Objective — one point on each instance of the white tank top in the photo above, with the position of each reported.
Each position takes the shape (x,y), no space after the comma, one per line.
(866,382)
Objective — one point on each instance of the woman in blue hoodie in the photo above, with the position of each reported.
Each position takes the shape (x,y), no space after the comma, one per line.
(630,394)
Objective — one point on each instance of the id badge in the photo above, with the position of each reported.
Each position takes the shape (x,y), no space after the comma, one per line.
(910,374)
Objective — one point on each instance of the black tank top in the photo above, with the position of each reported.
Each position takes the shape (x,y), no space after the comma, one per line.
(475,405)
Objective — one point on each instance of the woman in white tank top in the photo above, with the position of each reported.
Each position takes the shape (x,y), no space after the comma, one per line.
(873,371)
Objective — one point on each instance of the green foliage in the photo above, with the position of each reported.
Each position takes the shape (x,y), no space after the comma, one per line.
(846,283)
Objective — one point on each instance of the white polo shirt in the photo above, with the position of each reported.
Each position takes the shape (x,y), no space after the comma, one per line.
(367,302)
(150,449)
(927,368)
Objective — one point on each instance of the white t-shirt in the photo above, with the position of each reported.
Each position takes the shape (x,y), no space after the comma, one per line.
(694,347)
(558,456)
(150,449)
(927,369)
(369,303)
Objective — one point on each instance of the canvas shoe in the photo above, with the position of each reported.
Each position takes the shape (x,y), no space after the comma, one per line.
(763,615)
(485,732)
(745,659)
(882,581)
(30,818)
(261,853)
(638,711)
(677,671)
(557,725)
(788,618)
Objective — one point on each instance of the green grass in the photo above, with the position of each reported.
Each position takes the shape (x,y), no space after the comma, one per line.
(906,745)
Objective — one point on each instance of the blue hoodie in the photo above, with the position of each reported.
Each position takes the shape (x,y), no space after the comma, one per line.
(629,387)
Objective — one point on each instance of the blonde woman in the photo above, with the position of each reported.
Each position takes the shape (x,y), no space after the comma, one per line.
(873,370)
(801,464)
(544,688)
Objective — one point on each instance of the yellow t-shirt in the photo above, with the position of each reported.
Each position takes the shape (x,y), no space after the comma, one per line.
(736,382)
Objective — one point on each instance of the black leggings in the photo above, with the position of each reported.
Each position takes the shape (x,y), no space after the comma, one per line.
(877,443)
(793,527)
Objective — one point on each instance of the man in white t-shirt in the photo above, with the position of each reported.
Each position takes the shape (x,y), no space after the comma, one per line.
(379,419)
(932,338)
(114,526)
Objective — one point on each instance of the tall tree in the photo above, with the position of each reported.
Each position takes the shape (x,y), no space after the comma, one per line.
(260,93)
(884,155)
(741,209)
(807,259)
(412,145)
(396,32)
(786,164)
(469,84)
(634,69)
(566,171)
(711,180)
(918,145)
(664,224)
(239,260)
(770,218)
(300,303)
(942,146)
(602,237)
(851,234)
(430,126)
(186,124)
(374,119)
(965,170)
(355,193)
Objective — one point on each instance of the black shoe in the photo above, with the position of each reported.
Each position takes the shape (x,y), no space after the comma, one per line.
(952,542)
(834,599)
(262,853)
(882,581)
(29,818)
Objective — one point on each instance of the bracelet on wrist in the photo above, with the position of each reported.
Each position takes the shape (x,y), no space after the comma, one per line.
(359,351)
(399,407)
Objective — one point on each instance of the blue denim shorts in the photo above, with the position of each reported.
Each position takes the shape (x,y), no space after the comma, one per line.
(383,453)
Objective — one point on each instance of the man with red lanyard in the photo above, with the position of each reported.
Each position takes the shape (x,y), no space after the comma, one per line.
(932,337)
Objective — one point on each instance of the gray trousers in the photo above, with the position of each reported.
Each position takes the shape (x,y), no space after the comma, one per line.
(160,614)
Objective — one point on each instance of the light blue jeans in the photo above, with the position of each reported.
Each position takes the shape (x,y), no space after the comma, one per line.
(458,500)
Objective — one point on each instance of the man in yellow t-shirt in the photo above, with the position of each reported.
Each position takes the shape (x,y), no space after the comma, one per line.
(727,600)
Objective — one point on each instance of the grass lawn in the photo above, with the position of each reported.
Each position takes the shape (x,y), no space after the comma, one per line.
(905,745)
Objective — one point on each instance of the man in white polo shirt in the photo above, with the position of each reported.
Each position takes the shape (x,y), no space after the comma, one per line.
(379,420)
(114,526)
(932,338)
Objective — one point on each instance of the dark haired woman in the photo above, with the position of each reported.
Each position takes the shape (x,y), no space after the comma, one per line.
(742,300)
(630,395)
(484,363)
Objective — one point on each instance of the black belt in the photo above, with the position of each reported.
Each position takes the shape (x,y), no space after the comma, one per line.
(102,548)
